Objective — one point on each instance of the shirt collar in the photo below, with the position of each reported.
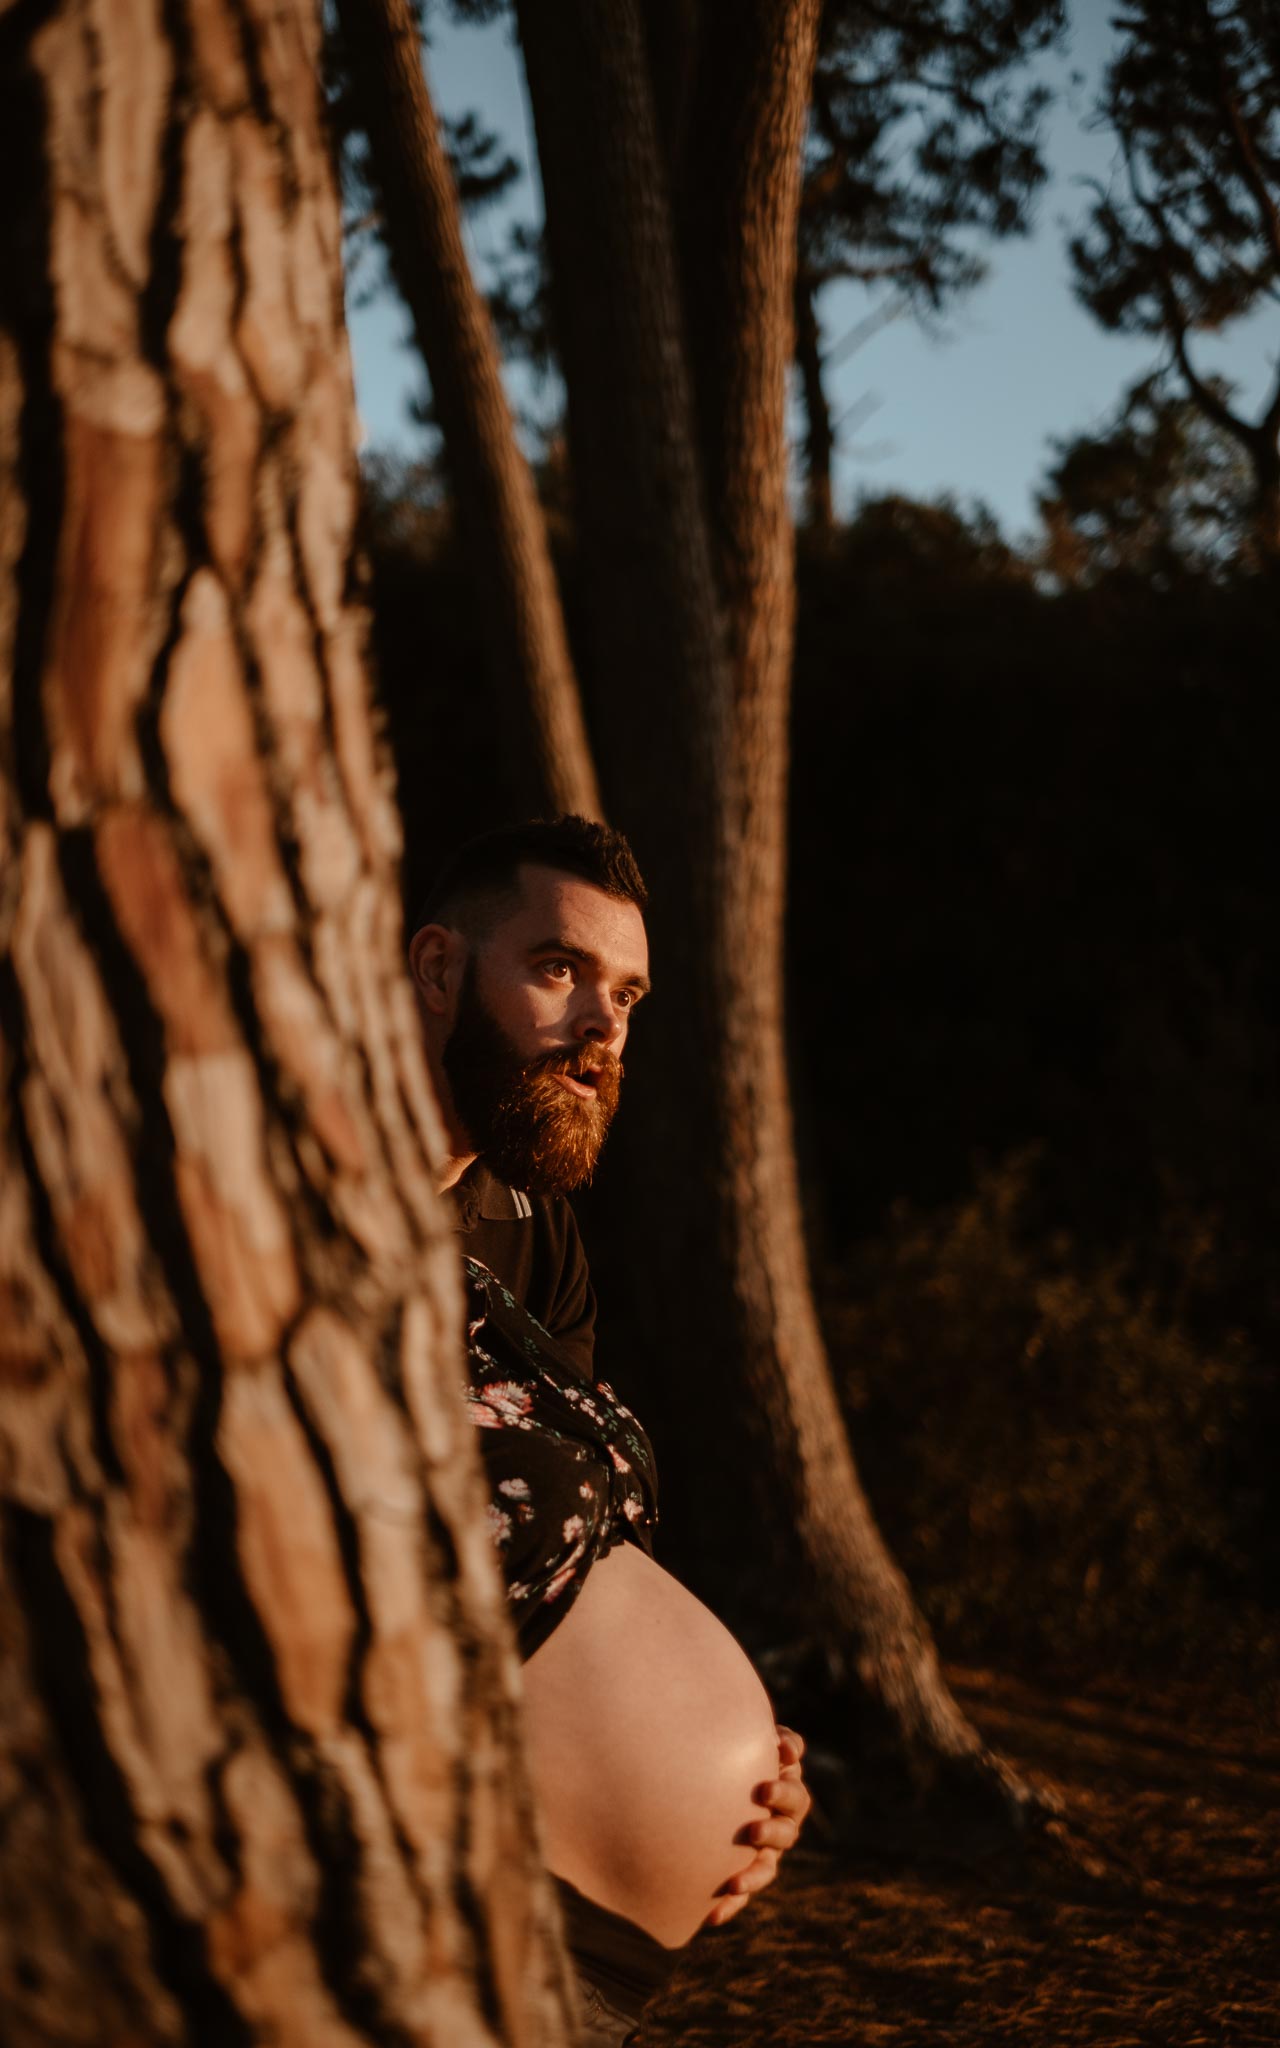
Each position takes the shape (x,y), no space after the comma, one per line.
(479,1194)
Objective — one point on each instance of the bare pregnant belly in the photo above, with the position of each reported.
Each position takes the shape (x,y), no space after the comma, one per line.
(648,1730)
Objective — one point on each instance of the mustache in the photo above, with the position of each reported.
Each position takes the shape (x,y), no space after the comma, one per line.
(597,1060)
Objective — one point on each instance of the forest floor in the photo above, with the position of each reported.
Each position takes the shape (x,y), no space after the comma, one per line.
(1176,1945)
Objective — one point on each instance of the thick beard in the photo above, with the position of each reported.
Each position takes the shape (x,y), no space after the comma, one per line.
(529,1129)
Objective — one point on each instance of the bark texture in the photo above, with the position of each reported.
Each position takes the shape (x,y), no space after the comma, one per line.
(676,366)
(259,1752)
(516,590)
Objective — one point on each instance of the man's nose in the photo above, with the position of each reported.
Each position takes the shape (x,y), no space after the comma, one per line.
(596,1017)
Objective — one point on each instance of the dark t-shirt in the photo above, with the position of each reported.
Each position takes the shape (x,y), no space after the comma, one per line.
(531,1242)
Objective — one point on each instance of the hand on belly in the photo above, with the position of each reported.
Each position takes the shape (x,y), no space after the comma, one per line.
(648,1730)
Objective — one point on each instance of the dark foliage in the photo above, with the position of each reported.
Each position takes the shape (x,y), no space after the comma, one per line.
(921,129)
(1159,493)
(1062,1456)
(1187,238)
(1033,871)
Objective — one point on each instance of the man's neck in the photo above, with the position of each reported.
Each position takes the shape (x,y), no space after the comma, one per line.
(453,1168)
(460,1153)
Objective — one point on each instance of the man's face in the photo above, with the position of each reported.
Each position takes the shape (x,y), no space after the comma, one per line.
(533,1060)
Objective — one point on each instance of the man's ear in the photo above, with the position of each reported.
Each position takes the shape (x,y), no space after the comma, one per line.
(437,955)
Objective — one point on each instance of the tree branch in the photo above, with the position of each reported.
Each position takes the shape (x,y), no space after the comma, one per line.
(1251,173)
(1214,407)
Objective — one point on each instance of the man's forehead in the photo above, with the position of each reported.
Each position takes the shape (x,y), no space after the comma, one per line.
(554,904)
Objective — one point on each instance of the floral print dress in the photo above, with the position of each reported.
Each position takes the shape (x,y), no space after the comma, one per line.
(571,1472)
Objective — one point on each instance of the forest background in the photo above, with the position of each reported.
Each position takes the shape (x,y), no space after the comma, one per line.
(961,864)
(1032,976)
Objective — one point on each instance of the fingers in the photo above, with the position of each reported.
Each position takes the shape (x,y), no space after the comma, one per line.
(761,1871)
(787,1738)
(772,1834)
(724,1910)
(786,1798)
(740,1889)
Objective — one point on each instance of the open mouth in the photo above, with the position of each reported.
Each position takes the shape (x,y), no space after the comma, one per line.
(582,1084)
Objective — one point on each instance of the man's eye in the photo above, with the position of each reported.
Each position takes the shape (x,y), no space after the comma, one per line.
(557,966)
(625,998)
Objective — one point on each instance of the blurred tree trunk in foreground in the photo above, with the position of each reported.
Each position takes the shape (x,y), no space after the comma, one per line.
(259,1756)
(516,590)
(675,329)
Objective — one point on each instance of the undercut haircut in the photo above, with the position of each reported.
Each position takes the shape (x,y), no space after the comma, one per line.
(481,881)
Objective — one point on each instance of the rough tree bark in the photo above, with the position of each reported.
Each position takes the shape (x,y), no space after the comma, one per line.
(516,591)
(676,414)
(259,1761)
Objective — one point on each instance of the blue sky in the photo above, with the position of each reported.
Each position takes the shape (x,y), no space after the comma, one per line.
(971,414)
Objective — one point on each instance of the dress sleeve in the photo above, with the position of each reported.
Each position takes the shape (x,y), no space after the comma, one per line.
(571,1472)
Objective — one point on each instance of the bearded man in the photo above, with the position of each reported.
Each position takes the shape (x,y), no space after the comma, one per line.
(529,961)
(529,958)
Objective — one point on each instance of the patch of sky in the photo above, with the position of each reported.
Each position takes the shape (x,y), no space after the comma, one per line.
(967,410)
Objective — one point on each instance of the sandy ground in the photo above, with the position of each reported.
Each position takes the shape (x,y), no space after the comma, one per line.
(1176,1795)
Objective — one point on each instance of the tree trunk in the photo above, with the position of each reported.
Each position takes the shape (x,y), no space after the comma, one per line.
(819,441)
(616,299)
(1266,466)
(516,591)
(688,554)
(259,1752)
(672,37)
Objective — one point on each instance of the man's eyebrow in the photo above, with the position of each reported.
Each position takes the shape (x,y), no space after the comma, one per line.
(589,959)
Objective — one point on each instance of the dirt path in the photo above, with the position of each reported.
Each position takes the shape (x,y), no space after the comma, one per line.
(1180,1792)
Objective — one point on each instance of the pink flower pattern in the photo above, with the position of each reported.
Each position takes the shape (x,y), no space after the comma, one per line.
(536,1417)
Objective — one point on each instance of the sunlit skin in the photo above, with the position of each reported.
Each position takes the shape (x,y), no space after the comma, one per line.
(566,967)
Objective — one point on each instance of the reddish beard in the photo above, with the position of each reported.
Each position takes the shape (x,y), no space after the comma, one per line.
(530,1129)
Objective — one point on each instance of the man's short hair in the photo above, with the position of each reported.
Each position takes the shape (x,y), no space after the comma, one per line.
(480,880)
